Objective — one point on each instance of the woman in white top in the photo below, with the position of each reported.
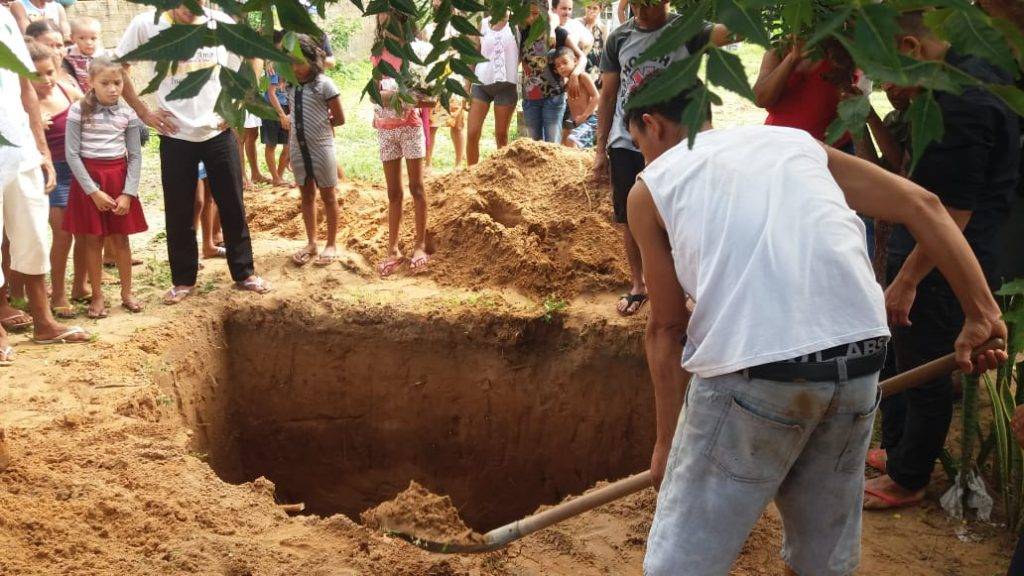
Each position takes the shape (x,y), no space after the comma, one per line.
(44,10)
(577,30)
(498,76)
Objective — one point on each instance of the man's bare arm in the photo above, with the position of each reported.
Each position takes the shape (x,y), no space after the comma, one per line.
(605,117)
(668,319)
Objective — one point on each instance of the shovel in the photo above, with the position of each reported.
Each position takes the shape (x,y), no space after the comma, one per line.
(505,535)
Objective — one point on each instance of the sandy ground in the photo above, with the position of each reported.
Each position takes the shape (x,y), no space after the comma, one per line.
(111,459)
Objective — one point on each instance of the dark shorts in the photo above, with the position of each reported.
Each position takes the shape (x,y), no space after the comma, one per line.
(501,93)
(271,132)
(625,165)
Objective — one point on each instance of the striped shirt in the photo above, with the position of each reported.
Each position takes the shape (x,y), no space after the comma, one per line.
(109,132)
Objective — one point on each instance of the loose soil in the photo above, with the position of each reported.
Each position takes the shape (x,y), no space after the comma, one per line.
(173,444)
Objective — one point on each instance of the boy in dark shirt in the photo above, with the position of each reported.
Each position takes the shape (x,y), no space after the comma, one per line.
(973,169)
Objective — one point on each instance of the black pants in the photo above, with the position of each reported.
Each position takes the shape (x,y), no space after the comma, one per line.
(1017,563)
(915,422)
(624,165)
(179,173)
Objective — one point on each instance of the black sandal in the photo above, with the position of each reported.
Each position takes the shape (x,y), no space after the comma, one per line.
(632,299)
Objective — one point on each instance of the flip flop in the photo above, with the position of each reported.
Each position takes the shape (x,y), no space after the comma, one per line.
(64,338)
(419,263)
(891,502)
(302,257)
(388,266)
(132,306)
(877,458)
(632,299)
(219,252)
(255,284)
(6,356)
(175,295)
(9,324)
(323,261)
(65,312)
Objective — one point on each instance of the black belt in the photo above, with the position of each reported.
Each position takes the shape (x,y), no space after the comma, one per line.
(824,371)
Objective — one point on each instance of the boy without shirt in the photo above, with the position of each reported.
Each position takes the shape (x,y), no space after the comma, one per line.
(759,226)
(582,104)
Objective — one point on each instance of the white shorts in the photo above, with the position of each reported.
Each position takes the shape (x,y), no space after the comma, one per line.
(407,142)
(26,212)
(252,120)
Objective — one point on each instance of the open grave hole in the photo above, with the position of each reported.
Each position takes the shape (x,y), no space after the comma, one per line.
(341,411)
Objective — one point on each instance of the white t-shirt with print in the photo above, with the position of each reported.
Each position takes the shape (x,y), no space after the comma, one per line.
(14,125)
(766,245)
(195,118)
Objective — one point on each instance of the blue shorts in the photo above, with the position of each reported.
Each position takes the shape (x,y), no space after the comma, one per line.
(59,195)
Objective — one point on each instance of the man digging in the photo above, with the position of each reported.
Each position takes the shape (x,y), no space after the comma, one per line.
(759,226)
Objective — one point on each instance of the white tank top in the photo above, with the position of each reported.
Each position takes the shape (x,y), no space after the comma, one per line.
(49,11)
(502,53)
(767,247)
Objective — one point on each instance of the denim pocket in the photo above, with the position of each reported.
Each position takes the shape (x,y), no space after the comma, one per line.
(750,447)
(851,459)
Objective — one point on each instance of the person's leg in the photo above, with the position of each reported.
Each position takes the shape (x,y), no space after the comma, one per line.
(502,121)
(624,166)
(179,173)
(533,117)
(393,181)
(419,204)
(735,441)
(431,139)
(820,499)
(1017,562)
(25,213)
(307,190)
(458,134)
(240,140)
(269,154)
(330,200)
(59,252)
(79,278)
(94,247)
(478,110)
(224,171)
(124,270)
(252,136)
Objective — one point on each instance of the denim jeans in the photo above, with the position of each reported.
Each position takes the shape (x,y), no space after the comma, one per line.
(742,442)
(544,118)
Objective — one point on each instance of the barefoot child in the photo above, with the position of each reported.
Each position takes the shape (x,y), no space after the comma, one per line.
(582,103)
(400,135)
(55,101)
(315,109)
(105,155)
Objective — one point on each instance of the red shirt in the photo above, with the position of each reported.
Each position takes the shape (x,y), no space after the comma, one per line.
(808,102)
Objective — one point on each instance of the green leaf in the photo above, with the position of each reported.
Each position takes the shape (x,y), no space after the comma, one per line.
(226,108)
(696,112)
(677,77)
(436,71)
(725,69)
(461,68)
(5,142)
(191,84)
(970,32)
(160,71)
(798,15)
(462,25)
(851,116)
(233,84)
(1012,95)
(456,87)
(246,42)
(925,118)
(743,17)
(875,33)
(259,107)
(11,62)
(1012,35)
(829,26)
(405,6)
(179,42)
(469,6)
(675,35)
(294,17)
(1011,288)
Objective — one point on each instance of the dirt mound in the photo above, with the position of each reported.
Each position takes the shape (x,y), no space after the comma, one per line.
(530,217)
(419,512)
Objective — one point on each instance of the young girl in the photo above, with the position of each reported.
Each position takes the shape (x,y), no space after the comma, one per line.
(315,109)
(55,101)
(47,34)
(400,135)
(105,155)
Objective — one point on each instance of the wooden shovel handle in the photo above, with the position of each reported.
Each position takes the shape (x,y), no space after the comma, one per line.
(935,369)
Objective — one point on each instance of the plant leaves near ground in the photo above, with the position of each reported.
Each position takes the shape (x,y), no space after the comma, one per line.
(850,117)
(1012,288)
(726,70)
(176,43)
(191,84)
(925,119)
(11,62)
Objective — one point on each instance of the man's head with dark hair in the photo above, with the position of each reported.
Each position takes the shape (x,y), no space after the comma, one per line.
(916,40)
(658,126)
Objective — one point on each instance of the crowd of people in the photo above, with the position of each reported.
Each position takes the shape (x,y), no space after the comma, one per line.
(784,384)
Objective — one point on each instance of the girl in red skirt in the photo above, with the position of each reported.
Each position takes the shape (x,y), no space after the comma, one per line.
(104,152)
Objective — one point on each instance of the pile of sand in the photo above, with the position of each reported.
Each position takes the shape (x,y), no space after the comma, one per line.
(529,217)
(419,512)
